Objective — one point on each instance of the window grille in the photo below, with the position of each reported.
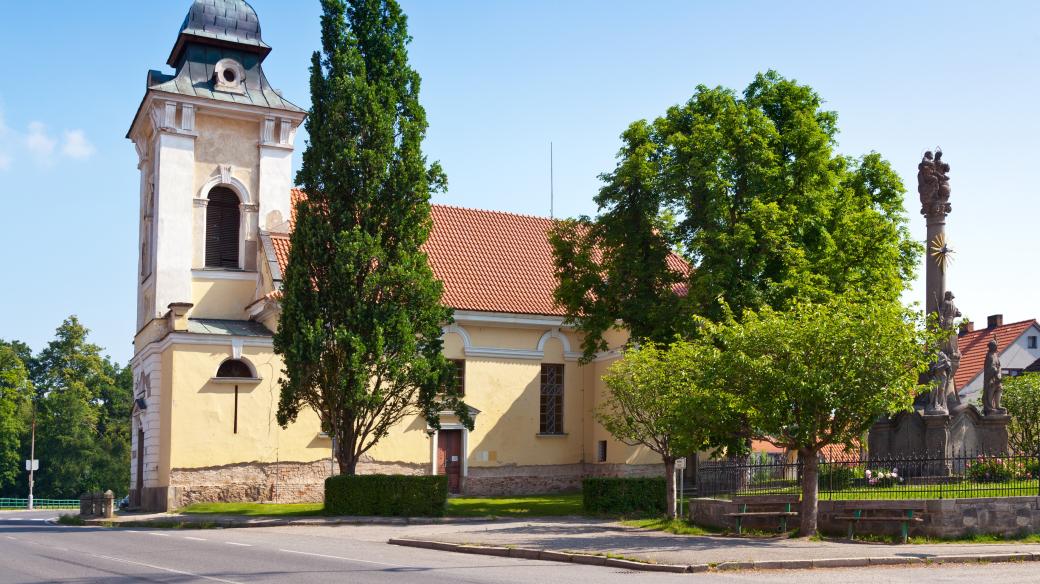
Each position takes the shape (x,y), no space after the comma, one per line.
(601,451)
(551,418)
(460,376)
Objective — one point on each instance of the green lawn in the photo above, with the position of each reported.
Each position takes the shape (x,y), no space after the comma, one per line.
(534,506)
(676,526)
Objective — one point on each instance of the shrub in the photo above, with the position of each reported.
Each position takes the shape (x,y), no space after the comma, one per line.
(999,470)
(837,476)
(616,495)
(386,495)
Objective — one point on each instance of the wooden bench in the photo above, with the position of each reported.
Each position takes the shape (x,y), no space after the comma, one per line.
(780,508)
(885,512)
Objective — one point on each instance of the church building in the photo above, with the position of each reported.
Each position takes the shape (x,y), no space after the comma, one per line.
(215,144)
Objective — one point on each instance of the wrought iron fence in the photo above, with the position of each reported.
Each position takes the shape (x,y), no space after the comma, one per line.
(9,503)
(855,476)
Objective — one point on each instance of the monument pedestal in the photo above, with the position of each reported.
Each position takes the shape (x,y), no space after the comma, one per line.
(938,437)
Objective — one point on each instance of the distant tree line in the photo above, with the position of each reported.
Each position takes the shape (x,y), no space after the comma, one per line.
(82,402)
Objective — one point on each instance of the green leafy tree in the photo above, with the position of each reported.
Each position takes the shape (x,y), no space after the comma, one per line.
(15,396)
(621,265)
(820,374)
(657,397)
(749,188)
(1021,397)
(82,416)
(362,311)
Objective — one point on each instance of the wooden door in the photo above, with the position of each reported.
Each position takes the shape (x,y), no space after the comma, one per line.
(449,458)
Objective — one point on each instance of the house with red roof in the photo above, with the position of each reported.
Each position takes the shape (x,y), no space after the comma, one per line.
(215,143)
(1017,345)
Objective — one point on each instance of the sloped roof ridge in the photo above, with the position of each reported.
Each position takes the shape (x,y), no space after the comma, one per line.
(492,211)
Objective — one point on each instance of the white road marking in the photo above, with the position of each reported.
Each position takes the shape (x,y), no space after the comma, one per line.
(341,558)
(193,538)
(241,544)
(161,534)
(171,570)
(9,537)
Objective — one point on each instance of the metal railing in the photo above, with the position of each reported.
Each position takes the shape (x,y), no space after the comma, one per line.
(852,476)
(7,503)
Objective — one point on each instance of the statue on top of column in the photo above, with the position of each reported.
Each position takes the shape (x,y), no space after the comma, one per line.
(933,184)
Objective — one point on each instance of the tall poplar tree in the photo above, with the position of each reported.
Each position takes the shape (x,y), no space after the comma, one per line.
(361,309)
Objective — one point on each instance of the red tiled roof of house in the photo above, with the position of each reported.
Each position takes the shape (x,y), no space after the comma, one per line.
(489,261)
(973,347)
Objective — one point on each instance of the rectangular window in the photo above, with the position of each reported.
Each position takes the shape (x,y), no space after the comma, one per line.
(551,414)
(601,451)
(460,375)
(1032,342)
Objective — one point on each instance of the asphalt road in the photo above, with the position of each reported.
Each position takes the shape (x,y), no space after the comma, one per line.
(32,550)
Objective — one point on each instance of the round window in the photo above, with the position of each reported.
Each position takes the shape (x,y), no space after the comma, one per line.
(229,75)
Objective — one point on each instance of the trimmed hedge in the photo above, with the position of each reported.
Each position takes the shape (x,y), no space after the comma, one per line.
(644,495)
(386,495)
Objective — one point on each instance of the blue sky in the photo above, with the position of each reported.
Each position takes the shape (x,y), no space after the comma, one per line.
(500,80)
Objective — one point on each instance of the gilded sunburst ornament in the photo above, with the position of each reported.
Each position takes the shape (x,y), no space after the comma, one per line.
(940,250)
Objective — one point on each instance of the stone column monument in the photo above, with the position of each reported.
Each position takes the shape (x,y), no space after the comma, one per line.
(940,426)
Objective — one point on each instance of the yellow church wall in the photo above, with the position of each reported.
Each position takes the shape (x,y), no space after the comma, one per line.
(203,413)
(505,338)
(165,415)
(221,298)
(617,452)
(224,140)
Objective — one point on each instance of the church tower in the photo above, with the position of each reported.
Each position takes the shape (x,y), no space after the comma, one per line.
(215,144)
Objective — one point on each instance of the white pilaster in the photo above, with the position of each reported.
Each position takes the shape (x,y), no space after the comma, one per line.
(175,175)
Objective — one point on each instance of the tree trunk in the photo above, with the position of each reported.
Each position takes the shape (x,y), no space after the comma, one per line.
(810,490)
(345,457)
(669,479)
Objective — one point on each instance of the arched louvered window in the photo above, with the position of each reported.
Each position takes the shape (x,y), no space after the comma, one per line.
(234,368)
(222,221)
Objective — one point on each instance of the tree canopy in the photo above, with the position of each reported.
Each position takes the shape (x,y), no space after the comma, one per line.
(820,374)
(362,312)
(750,190)
(1021,397)
(83,404)
(658,396)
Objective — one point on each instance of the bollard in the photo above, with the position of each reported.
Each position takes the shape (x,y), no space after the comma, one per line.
(108,504)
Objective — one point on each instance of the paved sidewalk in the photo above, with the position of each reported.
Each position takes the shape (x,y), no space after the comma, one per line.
(604,537)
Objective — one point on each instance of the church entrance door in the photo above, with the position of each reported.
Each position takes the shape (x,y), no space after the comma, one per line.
(449,458)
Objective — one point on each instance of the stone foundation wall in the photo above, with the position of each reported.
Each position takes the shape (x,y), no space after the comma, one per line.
(539,479)
(297,482)
(946,518)
(276,482)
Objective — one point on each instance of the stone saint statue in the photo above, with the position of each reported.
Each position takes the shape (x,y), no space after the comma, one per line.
(933,184)
(993,385)
(940,376)
(948,315)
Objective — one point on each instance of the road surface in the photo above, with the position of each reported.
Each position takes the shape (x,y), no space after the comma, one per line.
(33,550)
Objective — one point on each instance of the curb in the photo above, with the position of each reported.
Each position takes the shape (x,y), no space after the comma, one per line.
(822,563)
(225,522)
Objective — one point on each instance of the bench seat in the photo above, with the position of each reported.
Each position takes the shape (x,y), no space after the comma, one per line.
(763,514)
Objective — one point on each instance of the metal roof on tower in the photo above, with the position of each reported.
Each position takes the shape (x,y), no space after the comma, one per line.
(221,23)
(218,56)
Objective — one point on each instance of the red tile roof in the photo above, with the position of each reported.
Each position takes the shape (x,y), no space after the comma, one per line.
(974,346)
(489,261)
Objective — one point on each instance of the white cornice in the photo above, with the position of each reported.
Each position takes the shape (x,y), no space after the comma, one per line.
(508,319)
(182,338)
